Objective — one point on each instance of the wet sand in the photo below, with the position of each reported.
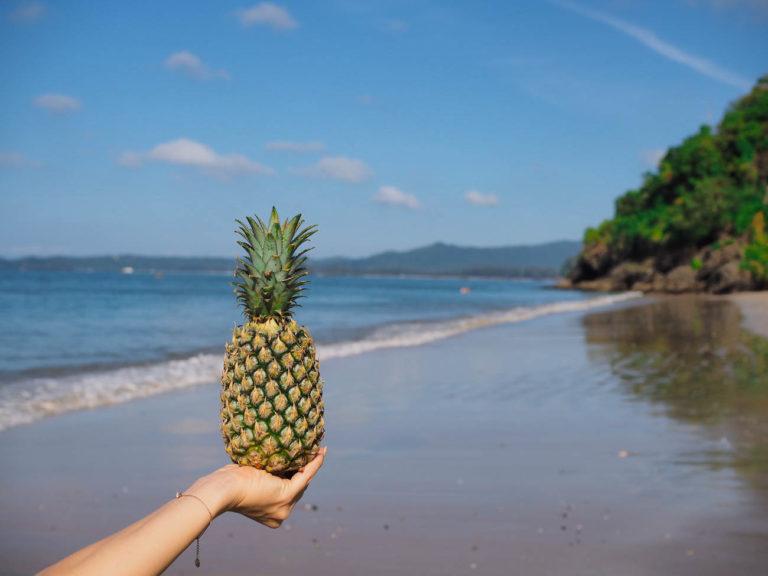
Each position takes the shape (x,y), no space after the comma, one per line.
(630,441)
(754,309)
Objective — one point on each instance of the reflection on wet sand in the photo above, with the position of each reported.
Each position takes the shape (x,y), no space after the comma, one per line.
(692,357)
(565,445)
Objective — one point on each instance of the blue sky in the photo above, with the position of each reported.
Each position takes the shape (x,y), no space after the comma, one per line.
(148,127)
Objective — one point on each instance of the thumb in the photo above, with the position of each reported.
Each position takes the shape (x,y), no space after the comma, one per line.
(301,479)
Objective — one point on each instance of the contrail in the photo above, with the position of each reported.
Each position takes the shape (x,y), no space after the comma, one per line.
(649,39)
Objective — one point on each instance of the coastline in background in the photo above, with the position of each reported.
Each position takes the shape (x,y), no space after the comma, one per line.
(531,261)
(698,221)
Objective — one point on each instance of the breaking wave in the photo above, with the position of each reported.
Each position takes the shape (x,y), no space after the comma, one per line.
(31,399)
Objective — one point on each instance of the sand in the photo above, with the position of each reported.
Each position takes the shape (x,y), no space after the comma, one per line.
(522,449)
(754,308)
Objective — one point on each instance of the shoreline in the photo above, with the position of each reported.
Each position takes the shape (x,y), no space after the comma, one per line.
(516,445)
(25,401)
(752,303)
(754,309)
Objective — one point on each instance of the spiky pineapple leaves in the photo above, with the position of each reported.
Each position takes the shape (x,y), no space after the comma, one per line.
(269,279)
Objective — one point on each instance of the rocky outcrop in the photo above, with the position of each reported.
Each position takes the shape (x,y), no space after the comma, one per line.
(716,269)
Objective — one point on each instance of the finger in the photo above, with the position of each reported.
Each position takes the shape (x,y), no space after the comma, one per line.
(298,496)
(300,480)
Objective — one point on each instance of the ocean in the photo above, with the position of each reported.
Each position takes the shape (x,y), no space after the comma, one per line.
(72,340)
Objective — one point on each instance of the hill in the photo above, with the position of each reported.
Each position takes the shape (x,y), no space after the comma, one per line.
(542,260)
(697,223)
(539,260)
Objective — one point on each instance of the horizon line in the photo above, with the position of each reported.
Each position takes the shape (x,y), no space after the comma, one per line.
(201,256)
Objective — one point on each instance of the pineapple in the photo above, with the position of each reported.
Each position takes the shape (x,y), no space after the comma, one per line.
(271,398)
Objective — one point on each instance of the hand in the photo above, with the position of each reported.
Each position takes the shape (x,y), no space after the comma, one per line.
(255,493)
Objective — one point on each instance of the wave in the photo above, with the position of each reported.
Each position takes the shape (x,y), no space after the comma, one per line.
(25,401)
(418,333)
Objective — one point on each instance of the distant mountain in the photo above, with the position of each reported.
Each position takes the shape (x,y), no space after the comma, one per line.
(537,261)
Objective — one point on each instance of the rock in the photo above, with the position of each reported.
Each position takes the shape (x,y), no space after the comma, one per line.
(682,279)
(594,261)
(626,275)
(644,287)
(712,259)
(730,278)
(721,268)
(715,269)
(600,285)
(668,261)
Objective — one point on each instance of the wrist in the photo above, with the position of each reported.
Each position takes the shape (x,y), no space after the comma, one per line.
(216,491)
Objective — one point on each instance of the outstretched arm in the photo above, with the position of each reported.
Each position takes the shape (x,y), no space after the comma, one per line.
(148,546)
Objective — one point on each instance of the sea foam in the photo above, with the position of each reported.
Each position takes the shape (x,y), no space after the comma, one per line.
(31,399)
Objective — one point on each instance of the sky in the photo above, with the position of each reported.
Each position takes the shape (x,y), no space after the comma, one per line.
(149,127)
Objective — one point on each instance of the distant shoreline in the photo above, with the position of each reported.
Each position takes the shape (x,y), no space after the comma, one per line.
(412,276)
(541,261)
(402,276)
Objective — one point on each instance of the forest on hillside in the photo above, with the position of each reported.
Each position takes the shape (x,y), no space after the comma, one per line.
(698,222)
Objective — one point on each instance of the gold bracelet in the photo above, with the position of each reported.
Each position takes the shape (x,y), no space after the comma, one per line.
(210,516)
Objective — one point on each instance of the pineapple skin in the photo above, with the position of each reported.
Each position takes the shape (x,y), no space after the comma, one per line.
(271,398)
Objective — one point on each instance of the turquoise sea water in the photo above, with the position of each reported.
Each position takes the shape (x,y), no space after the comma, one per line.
(81,340)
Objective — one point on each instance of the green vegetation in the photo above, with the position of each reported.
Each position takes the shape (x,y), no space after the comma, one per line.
(711,188)
(696,263)
(756,252)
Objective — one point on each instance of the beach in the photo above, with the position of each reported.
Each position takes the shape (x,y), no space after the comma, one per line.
(574,443)
(754,310)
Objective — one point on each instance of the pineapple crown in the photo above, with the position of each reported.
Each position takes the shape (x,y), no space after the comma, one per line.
(270,278)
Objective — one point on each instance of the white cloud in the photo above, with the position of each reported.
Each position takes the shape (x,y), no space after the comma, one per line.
(649,39)
(59,103)
(296,147)
(653,156)
(479,199)
(191,65)
(185,152)
(267,14)
(396,197)
(341,168)
(16,160)
(28,12)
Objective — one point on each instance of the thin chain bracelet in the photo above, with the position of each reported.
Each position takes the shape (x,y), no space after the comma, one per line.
(210,516)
